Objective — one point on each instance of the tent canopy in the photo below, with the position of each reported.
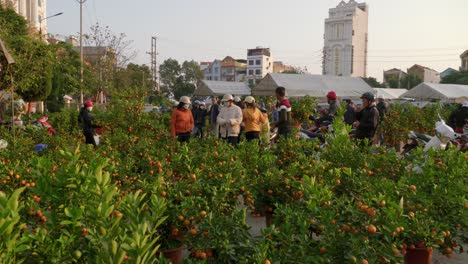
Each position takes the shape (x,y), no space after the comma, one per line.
(389,93)
(218,88)
(298,85)
(430,91)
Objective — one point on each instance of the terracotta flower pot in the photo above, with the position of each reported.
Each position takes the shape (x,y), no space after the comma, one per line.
(173,255)
(419,256)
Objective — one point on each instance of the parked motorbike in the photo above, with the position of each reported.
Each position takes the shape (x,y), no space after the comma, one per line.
(42,123)
(444,136)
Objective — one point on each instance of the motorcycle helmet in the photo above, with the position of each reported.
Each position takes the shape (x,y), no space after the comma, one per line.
(88,103)
(368,96)
(331,95)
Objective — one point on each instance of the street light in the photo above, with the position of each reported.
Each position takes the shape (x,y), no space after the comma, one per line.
(42,19)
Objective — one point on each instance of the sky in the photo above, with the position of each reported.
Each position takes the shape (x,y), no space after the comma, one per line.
(401,33)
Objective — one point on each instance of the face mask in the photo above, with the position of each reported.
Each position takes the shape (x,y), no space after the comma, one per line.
(186,106)
(226,104)
(202,107)
(90,108)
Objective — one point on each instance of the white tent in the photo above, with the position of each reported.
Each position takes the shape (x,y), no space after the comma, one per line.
(431,91)
(298,85)
(218,88)
(389,93)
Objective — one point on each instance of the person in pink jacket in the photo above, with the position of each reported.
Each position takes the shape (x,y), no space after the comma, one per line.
(229,120)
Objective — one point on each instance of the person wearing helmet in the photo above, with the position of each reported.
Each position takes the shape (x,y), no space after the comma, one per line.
(382,106)
(229,120)
(367,118)
(86,119)
(253,118)
(182,120)
(333,103)
(284,112)
(238,102)
(199,113)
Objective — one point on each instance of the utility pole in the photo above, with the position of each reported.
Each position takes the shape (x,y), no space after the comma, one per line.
(81,2)
(154,65)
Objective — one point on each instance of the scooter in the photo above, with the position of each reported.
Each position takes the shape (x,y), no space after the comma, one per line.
(444,135)
(42,122)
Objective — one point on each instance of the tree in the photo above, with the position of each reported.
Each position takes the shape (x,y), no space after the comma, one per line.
(394,82)
(296,70)
(114,53)
(456,78)
(410,81)
(372,82)
(179,80)
(66,75)
(134,77)
(34,59)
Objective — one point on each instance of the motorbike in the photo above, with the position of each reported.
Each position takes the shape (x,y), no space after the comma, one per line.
(41,122)
(444,136)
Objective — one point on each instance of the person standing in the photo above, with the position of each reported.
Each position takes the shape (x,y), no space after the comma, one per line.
(284,113)
(229,120)
(367,118)
(182,120)
(265,128)
(350,113)
(214,111)
(87,122)
(459,117)
(383,107)
(253,118)
(199,118)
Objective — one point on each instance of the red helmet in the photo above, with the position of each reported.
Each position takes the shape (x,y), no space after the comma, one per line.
(88,103)
(331,95)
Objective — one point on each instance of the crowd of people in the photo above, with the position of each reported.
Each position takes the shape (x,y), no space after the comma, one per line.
(236,117)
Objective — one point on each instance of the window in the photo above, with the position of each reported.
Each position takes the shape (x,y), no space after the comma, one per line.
(353,32)
(216,70)
(251,72)
(352,59)
(258,62)
(339,30)
(337,61)
(258,72)
(251,62)
(216,78)
(251,81)
(39,3)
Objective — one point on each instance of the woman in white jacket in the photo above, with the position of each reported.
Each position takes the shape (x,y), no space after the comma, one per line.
(229,120)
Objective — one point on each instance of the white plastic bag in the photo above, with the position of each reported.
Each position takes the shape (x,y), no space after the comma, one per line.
(96,139)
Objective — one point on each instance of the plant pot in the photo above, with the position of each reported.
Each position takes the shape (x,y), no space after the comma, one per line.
(173,255)
(419,256)
(268,217)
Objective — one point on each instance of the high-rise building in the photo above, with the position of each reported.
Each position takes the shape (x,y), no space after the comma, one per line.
(345,40)
(34,11)
(259,64)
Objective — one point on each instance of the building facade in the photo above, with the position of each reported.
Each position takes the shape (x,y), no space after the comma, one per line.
(394,73)
(464,61)
(213,71)
(34,11)
(233,70)
(345,40)
(426,74)
(259,64)
(279,67)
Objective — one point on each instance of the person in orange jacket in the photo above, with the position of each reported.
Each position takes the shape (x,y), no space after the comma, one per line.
(253,118)
(182,120)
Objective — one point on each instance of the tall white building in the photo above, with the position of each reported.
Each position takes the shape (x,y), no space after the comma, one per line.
(259,64)
(34,11)
(345,40)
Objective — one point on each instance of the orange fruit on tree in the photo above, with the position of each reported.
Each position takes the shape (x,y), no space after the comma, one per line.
(371,229)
